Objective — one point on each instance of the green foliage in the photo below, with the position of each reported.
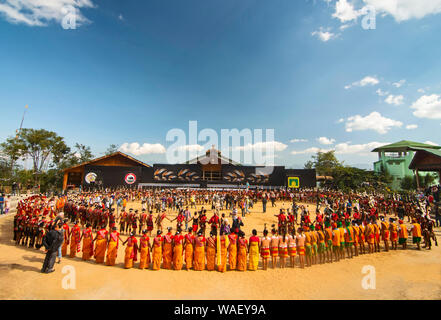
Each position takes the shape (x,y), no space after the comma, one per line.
(50,156)
(346,178)
(111,149)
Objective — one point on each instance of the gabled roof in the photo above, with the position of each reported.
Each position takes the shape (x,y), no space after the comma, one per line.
(118,153)
(433,166)
(404,145)
(212,154)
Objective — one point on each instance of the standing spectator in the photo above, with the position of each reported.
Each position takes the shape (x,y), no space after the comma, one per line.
(7,204)
(52,241)
(264,202)
(2,203)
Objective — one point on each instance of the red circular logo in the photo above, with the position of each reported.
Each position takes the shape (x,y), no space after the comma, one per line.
(130,178)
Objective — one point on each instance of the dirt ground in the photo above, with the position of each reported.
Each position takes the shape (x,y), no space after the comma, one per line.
(409,274)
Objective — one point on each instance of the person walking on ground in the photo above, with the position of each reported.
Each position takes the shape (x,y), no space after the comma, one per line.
(52,241)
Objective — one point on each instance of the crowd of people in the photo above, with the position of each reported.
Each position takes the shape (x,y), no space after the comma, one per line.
(207,232)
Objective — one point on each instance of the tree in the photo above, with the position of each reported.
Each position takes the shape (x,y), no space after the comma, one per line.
(111,149)
(324,163)
(84,154)
(40,145)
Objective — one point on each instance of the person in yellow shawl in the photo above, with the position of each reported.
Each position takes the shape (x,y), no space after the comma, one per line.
(178,259)
(242,252)
(167,250)
(75,240)
(232,250)
(101,244)
(189,251)
(199,252)
(66,231)
(131,251)
(87,238)
(144,251)
(254,249)
(222,247)
(157,251)
(112,247)
(211,251)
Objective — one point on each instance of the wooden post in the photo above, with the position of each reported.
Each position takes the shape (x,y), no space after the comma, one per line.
(417,179)
(65,180)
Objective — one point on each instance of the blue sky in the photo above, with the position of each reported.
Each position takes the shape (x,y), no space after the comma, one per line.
(133,70)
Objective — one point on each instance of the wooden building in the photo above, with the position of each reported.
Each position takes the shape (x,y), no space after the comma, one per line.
(116,162)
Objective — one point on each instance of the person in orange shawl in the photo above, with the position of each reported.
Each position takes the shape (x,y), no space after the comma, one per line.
(370,236)
(211,251)
(178,259)
(131,251)
(393,233)
(199,252)
(112,247)
(167,250)
(232,250)
(223,244)
(157,251)
(242,252)
(189,251)
(75,240)
(402,231)
(101,244)
(254,249)
(87,238)
(66,232)
(385,233)
(416,233)
(144,251)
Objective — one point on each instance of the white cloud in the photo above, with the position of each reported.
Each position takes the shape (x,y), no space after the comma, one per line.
(411,126)
(345,148)
(368,80)
(395,100)
(120,17)
(324,35)
(399,83)
(427,107)
(147,148)
(382,93)
(403,10)
(298,140)
(344,11)
(374,121)
(41,12)
(360,149)
(191,148)
(341,120)
(421,90)
(324,140)
(309,150)
(263,146)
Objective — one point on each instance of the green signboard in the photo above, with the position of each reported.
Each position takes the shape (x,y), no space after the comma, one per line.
(294,182)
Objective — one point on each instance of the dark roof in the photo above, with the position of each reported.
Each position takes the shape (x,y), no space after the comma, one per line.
(404,145)
(216,154)
(430,167)
(109,156)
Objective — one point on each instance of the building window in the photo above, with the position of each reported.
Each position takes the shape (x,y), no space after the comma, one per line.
(211,175)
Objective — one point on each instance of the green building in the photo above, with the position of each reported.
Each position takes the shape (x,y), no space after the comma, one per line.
(395,158)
